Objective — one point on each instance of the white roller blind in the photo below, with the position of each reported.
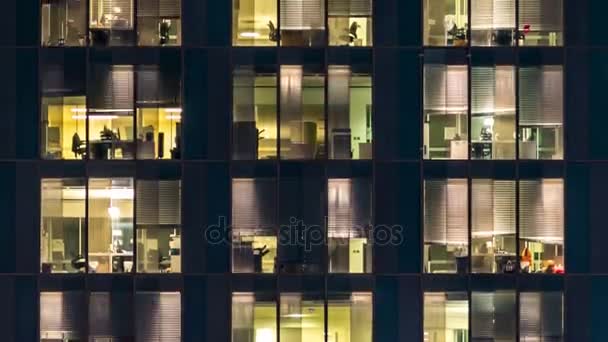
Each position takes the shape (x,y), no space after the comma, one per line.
(446,88)
(493,90)
(493,210)
(302,14)
(61,314)
(158,317)
(158,202)
(349,205)
(541,15)
(253,204)
(541,316)
(446,211)
(541,95)
(541,207)
(350,8)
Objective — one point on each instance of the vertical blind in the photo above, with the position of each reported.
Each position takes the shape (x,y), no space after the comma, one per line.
(541,95)
(541,15)
(158,316)
(110,314)
(493,90)
(253,204)
(493,209)
(446,88)
(158,202)
(492,14)
(446,211)
(349,204)
(493,315)
(541,208)
(159,8)
(61,313)
(350,8)
(541,316)
(302,14)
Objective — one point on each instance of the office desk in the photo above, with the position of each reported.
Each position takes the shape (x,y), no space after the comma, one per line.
(105,149)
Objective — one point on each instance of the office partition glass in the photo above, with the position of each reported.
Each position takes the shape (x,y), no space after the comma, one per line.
(159,316)
(446,316)
(254,113)
(302,317)
(111,316)
(541,316)
(254,23)
(349,317)
(350,225)
(63,23)
(446,107)
(254,232)
(302,97)
(111,22)
(62,316)
(350,22)
(493,316)
(541,112)
(349,113)
(302,22)
(158,224)
(493,112)
(541,225)
(541,23)
(446,225)
(493,22)
(445,22)
(110,225)
(493,244)
(254,317)
(159,22)
(62,238)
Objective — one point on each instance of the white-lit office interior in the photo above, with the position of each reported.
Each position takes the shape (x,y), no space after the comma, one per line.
(494,208)
(103,210)
(492,112)
(492,23)
(121,125)
(302,23)
(110,22)
(63,316)
(302,133)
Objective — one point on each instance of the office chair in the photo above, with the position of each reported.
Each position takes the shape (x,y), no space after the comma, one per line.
(78,146)
(273,35)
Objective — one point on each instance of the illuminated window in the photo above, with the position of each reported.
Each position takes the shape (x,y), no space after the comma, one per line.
(254,23)
(302,317)
(159,316)
(349,317)
(541,316)
(62,316)
(493,316)
(111,22)
(446,317)
(445,23)
(302,22)
(159,22)
(63,23)
(541,22)
(350,22)
(493,22)
(254,317)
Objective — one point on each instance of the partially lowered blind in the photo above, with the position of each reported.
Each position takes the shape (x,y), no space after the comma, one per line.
(493,206)
(541,316)
(350,8)
(112,87)
(253,204)
(446,88)
(110,314)
(61,314)
(158,316)
(493,90)
(446,211)
(492,14)
(493,315)
(302,14)
(349,204)
(541,15)
(159,8)
(541,208)
(541,95)
(158,202)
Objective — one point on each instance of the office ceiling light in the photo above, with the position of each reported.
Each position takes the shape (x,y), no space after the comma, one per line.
(114,212)
(249,35)
(173,110)
(95,117)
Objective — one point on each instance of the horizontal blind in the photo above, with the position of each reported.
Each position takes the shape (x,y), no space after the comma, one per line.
(110,314)
(493,208)
(253,204)
(541,316)
(350,8)
(492,14)
(349,204)
(541,207)
(158,316)
(493,90)
(158,202)
(61,312)
(541,95)
(446,88)
(159,8)
(112,87)
(446,211)
(302,14)
(541,15)
(493,315)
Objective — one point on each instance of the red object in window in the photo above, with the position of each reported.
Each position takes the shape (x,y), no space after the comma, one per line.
(559,269)
(526,28)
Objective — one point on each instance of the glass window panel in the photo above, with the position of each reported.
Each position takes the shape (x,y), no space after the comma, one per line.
(254,23)
(61,316)
(493,22)
(63,127)
(446,317)
(446,226)
(493,316)
(111,316)
(350,113)
(254,118)
(445,22)
(349,317)
(493,112)
(254,317)
(445,111)
(350,22)
(62,225)
(541,224)
(159,316)
(110,225)
(111,22)
(350,241)
(302,318)
(302,22)
(159,22)
(63,23)
(541,316)
(541,22)
(302,113)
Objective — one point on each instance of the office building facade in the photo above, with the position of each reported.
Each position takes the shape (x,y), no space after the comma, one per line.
(303,170)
